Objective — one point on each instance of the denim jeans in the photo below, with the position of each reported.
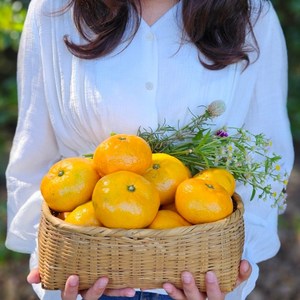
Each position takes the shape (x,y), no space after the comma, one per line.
(139,296)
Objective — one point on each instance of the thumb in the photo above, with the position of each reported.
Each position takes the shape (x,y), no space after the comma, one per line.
(34,276)
(245,271)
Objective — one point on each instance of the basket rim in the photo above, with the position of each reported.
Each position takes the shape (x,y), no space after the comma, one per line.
(143,232)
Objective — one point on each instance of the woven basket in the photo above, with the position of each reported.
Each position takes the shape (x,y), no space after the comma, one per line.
(143,258)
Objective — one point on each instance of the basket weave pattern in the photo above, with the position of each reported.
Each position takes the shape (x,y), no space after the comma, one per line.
(142,258)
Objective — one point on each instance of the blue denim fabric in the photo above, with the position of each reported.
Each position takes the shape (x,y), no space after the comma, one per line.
(139,296)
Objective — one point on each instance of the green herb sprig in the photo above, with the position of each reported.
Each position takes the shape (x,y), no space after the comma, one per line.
(247,156)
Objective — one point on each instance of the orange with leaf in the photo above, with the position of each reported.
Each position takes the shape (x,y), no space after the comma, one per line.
(123,152)
(202,201)
(68,183)
(166,173)
(220,176)
(126,200)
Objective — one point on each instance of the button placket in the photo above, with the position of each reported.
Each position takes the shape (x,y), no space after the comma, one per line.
(149,36)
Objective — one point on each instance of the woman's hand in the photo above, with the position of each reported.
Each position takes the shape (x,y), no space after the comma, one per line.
(213,292)
(93,293)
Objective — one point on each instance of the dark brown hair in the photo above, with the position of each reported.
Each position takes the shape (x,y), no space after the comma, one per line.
(218,28)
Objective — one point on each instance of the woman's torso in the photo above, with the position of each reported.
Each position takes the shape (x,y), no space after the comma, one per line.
(155,79)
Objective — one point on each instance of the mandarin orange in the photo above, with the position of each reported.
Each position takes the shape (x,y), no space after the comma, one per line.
(69,183)
(123,152)
(166,173)
(166,219)
(220,176)
(202,201)
(126,200)
(83,215)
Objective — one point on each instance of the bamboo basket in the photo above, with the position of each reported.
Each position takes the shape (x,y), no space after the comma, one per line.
(143,258)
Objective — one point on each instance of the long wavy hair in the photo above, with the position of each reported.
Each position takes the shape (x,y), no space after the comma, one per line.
(218,28)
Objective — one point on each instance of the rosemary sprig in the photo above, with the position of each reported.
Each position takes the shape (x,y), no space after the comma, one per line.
(247,156)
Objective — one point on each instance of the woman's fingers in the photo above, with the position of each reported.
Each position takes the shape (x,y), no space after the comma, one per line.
(212,287)
(245,272)
(96,290)
(34,276)
(189,289)
(173,292)
(71,288)
(191,292)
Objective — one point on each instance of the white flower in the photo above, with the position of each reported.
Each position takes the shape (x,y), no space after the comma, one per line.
(216,108)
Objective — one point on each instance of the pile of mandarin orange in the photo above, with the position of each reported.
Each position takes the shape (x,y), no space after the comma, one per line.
(125,185)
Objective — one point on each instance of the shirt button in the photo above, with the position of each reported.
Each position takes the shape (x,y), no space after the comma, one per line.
(149,86)
(149,36)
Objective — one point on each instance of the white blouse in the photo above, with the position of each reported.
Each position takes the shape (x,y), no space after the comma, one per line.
(68,105)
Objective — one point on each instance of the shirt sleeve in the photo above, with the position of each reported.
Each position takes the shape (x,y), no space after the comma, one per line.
(34,146)
(268,115)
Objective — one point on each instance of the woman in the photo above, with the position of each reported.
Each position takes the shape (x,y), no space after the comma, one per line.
(89,68)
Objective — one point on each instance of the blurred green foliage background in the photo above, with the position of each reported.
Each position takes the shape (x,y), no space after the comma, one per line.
(12,17)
